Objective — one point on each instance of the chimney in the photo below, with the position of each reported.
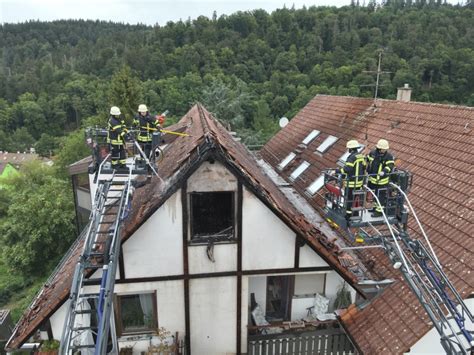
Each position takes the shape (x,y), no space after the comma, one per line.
(404,93)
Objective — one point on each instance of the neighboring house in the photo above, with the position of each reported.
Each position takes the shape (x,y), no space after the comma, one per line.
(10,163)
(434,142)
(218,234)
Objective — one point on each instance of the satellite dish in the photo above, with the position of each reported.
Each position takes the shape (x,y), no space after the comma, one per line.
(283,122)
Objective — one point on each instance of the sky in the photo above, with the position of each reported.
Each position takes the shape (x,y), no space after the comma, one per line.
(139,11)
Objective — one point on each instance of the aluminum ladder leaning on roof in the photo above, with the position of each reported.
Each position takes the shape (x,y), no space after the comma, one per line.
(90,314)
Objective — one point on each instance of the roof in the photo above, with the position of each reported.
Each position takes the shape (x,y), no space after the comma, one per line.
(207,138)
(434,142)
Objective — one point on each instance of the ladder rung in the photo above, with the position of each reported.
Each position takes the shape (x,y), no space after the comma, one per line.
(85,346)
(83,328)
(96,254)
(88,295)
(84,311)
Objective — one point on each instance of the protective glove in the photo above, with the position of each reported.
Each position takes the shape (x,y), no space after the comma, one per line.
(382,173)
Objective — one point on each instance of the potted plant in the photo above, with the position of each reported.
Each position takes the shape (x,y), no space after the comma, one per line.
(48,347)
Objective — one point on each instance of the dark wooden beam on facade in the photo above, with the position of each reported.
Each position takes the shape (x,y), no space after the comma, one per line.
(239,266)
(187,321)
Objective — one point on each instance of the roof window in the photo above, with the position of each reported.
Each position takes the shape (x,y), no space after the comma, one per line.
(311,136)
(329,141)
(316,185)
(286,161)
(299,170)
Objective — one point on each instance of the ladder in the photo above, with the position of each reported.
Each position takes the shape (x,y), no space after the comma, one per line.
(90,313)
(426,278)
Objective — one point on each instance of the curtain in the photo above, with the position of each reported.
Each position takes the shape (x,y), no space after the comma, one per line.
(146,304)
(84,320)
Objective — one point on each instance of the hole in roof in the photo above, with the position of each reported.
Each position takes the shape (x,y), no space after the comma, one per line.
(342,160)
(286,161)
(328,142)
(316,185)
(299,170)
(311,136)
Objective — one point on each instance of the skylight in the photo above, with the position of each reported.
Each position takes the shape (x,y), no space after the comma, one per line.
(286,161)
(299,170)
(316,185)
(311,136)
(329,141)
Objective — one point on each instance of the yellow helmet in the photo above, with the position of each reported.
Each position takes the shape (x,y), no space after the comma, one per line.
(114,111)
(142,108)
(352,144)
(382,144)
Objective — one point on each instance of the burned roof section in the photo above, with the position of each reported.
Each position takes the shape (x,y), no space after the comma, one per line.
(432,141)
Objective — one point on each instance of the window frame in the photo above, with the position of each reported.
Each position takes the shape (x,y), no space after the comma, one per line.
(319,178)
(118,314)
(326,144)
(309,138)
(288,159)
(307,165)
(205,239)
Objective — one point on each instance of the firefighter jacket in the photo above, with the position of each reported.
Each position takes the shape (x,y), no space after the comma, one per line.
(147,125)
(376,163)
(117,131)
(354,170)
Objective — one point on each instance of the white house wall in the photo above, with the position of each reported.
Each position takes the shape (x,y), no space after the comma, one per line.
(57,320)
(225,256)
(156,248)
(267,243)
(309,284)
(308,258)
(213,304)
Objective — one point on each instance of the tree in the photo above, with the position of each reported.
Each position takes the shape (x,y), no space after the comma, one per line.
(39,225)
(125,92)
(71,149)
(46,145)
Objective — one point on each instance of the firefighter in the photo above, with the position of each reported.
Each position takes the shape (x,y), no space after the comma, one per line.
(147,125)
(353,173)
(117,132)
(380,163)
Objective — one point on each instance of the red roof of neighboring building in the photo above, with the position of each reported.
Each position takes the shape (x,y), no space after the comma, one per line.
(432,141)
(182,156)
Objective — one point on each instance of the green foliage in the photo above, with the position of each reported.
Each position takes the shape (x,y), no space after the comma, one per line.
(71,149)
(125,92)
(48,345)
(46,145)
(38,226)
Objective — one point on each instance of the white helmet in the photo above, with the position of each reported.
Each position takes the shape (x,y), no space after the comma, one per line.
(382,144)
(352,144)
(142,108)
(114,111)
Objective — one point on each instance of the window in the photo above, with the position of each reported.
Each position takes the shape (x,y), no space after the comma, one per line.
(212,215)
(329,141)
(286,161)
(344,156)
(316,185)
(136,313)
(311,136)
(299,170)
(279,296)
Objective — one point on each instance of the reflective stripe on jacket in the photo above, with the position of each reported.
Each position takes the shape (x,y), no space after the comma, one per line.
(378,162)
(354,170)
(116,131)
(147,125)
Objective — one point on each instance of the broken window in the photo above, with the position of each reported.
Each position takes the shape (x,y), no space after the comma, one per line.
(212,215)
(136,313)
